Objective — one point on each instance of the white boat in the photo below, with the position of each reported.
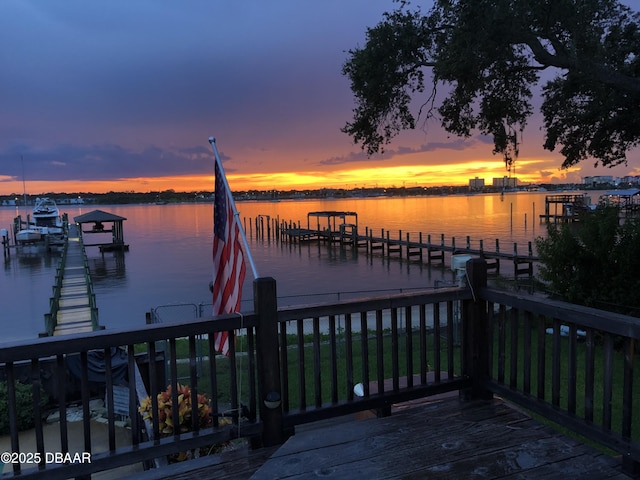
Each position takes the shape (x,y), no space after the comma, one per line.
(45,221)
(46,215)
(28,235)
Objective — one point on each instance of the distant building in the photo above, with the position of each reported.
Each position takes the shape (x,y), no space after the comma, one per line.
(505,182)
(631,179)
(71,201)
(476,183)
(8,203)
(598,180)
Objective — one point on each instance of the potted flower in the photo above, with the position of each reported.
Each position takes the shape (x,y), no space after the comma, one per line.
(168,423)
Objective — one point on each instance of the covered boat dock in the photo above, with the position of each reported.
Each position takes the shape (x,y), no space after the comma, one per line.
(114,225)
(627,200)
(335,221)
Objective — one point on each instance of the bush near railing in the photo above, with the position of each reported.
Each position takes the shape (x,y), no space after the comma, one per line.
(24,406)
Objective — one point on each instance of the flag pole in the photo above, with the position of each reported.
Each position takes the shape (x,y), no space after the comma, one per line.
(212,141)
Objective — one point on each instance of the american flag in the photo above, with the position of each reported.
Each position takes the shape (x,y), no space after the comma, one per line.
(228,259)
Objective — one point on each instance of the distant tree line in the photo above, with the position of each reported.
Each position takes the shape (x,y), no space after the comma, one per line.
(171,196)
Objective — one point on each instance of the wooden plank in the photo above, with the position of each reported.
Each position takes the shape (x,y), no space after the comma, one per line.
(72,301)
(75,314)
(72,268)
(71,323)
(76,329)
(235,464)
(76,290)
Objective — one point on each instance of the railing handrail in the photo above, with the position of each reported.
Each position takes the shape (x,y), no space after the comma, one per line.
(82,342)
(54,301)
(380,302)
(610,322)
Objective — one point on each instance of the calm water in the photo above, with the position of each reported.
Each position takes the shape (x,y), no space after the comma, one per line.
(170,254)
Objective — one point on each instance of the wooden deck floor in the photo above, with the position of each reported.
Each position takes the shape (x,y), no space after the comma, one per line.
(444,439)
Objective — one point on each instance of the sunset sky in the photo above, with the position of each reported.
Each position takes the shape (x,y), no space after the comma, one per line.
(123,95)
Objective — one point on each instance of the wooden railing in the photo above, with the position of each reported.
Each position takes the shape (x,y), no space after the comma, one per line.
(87,275)
(135,359)
(369,353)
(295,365)
(572,365)
(54,301)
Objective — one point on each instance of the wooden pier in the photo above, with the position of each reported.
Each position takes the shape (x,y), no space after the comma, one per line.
(564,208)
(73,305)
(424,249)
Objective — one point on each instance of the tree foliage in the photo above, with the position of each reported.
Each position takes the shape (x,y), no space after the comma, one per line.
(489,55)
(594,262)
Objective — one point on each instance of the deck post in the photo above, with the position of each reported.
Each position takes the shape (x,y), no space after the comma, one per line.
(475,331)
(268,361)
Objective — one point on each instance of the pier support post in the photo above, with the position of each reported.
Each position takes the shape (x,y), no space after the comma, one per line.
(5,241)
(475,332)
(268,361)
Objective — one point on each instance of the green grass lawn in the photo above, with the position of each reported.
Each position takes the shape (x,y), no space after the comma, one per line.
(324,366)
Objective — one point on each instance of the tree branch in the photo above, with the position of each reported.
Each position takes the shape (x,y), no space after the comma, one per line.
(588,68)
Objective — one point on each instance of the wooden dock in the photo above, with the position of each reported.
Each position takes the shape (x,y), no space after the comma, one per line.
(564,208)
(73,305)
(430,250)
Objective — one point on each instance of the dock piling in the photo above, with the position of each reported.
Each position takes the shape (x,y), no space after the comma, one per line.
(5,242)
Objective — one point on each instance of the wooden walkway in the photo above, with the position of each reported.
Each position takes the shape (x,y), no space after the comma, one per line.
(74,314)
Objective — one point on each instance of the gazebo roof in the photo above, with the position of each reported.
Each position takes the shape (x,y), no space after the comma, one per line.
(630,192)
(97,216)
(332,213)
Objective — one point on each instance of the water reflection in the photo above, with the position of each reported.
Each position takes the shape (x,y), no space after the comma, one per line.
(108,269)
(170,254)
